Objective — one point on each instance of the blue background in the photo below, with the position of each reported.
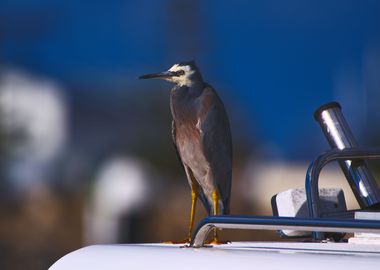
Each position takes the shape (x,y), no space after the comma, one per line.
(275,61)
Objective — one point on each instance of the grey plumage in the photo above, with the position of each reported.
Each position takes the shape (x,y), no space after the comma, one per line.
(201,134)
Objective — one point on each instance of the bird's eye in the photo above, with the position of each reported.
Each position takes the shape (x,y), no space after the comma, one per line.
(180,72)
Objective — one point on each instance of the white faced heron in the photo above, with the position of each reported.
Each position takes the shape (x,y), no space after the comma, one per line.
(202,138)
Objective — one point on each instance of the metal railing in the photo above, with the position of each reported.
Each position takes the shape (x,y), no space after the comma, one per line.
(206,225)
(315,168)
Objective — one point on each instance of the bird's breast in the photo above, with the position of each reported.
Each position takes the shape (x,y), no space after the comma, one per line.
(189,145)
(188,133)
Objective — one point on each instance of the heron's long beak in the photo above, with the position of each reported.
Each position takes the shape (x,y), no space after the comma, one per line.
(162,75)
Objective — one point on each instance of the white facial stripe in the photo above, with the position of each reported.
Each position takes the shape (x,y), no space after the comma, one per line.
(174,68)
(185,78)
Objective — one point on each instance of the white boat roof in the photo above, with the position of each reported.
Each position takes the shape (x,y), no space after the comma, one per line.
(239,255)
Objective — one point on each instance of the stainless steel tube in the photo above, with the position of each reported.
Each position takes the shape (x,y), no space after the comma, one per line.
(339,135)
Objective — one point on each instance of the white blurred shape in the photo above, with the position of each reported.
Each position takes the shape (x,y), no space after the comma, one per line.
(120,188)
(35,109)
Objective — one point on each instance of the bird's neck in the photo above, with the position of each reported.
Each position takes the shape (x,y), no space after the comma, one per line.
(183,101)
(187,92)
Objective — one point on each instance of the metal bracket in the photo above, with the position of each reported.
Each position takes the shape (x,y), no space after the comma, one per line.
(315,168)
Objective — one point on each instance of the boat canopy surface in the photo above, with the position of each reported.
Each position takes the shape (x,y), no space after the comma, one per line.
(238,255)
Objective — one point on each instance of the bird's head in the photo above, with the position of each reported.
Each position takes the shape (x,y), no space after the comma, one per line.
(182,74)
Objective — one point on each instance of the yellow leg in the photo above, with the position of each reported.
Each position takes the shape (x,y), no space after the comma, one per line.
(215,200)
(194,199)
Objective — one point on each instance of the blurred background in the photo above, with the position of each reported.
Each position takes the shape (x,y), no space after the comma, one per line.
(85,148)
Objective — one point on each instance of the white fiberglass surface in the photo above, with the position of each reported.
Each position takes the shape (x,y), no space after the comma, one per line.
(240,255)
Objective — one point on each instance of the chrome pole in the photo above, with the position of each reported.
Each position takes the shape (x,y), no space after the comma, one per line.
(339,136)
